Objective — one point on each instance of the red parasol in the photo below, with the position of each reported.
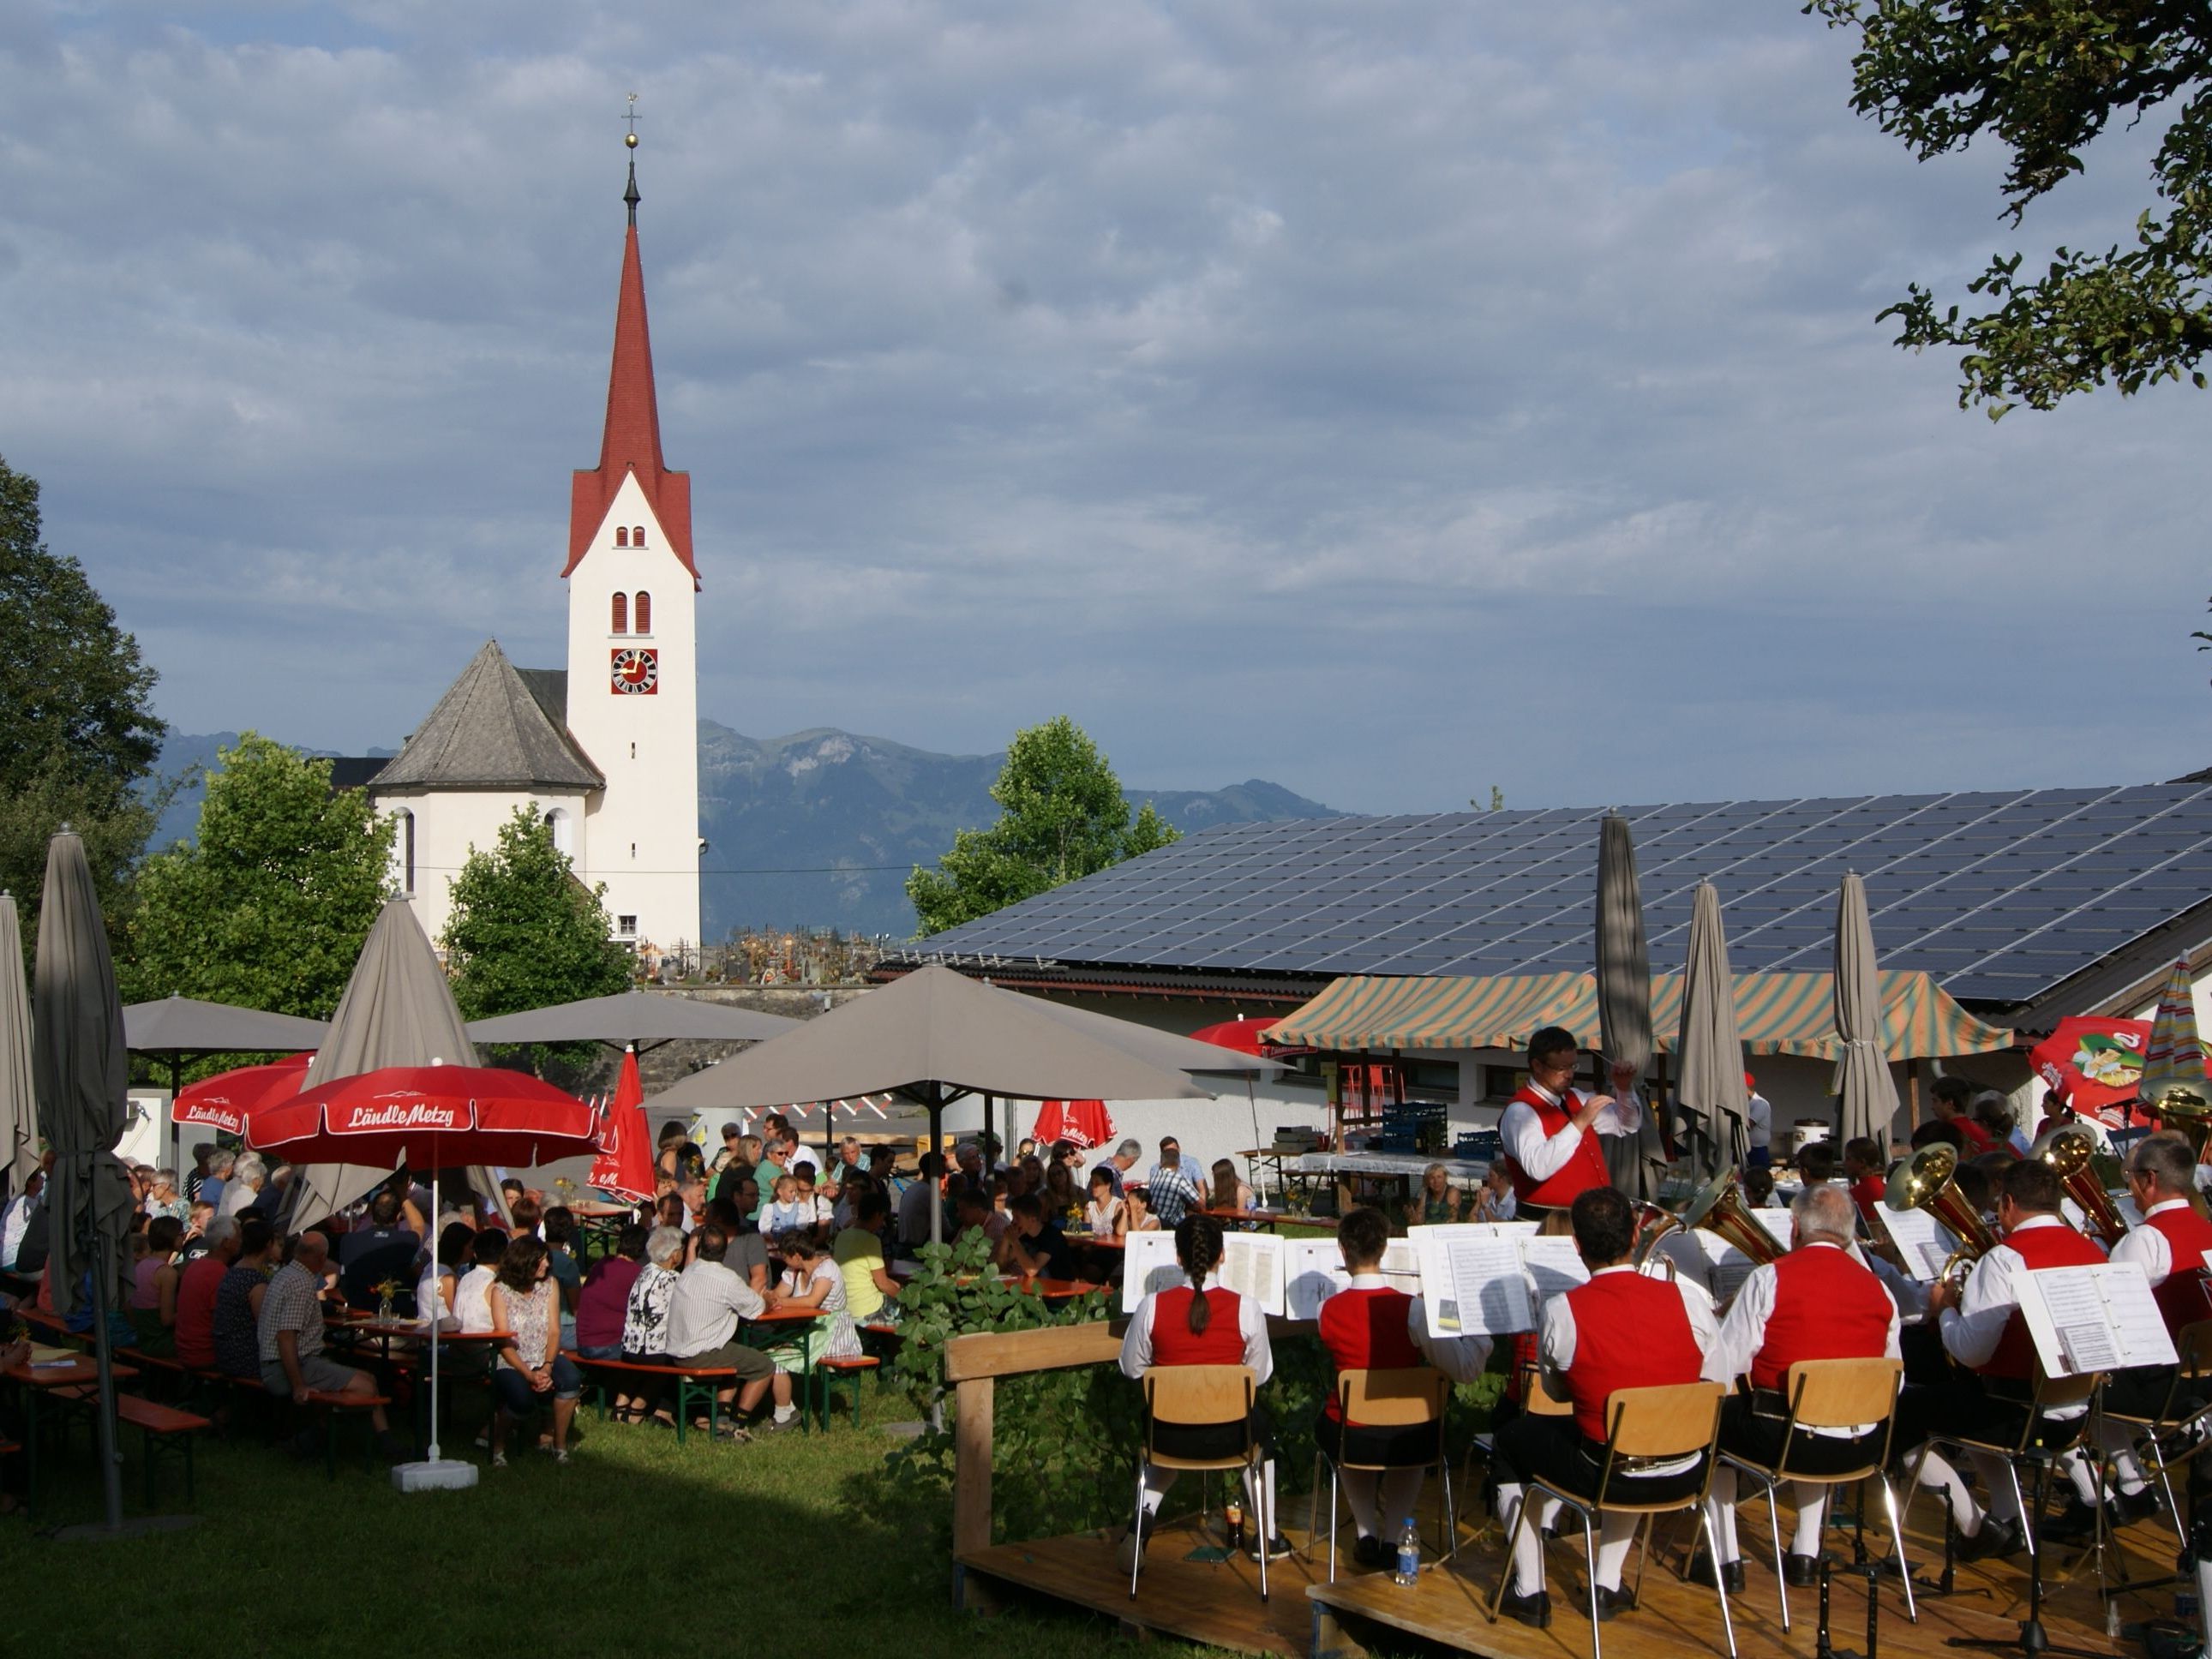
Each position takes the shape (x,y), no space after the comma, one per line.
(227,1100)
(426,1116)
(2095,1065)
(624,1165)
(1243,1035)
(1084,1122)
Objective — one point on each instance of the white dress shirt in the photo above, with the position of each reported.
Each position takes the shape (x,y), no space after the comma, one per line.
(1972,1330)
(1460,1357)
(1555,1343)
(1137,1343)
(2149,1248)
(1758,1122)
(1541,1155)
(1743,1332)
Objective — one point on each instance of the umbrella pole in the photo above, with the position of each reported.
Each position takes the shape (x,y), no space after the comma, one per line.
(432,1329)
(176,1130)
(111,1462)
(990,1152)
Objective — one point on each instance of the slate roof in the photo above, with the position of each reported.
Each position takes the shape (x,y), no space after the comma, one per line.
(492,729)
(2000,897)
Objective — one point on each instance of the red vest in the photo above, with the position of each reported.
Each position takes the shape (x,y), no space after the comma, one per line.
(2181,1295)
(1365,1330)
(1174,1343)
(2038,1247)
(1584,1171)
(1631,1332)
(1826,1306)
(1866,1193)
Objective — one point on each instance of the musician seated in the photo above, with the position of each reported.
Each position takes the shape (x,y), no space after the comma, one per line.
(1549,1132)
(1621,1330)
(1816,1303)
(1372,1326)
(1868,1175)
(1990,1387)
(2170,1248)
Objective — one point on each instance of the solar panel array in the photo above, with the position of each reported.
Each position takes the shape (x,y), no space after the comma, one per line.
(1998,896)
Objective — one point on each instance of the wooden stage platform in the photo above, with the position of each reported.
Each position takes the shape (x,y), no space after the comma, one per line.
(1217,1602)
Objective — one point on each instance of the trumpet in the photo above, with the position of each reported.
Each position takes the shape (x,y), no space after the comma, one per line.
(2068,1151)
(1924,1182)
(1718,1207)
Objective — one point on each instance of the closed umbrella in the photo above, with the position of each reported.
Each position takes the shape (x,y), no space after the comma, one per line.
(1711,1050)
(1636,1163)
(19,1112)
(1082,1123)
(2174,1059)
(83,1082)
(1866,1093)
(624,1165)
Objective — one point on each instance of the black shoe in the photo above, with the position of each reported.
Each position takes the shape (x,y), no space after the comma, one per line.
(2077,1523)
(1612,1601)
(1370,1554)
(1701,1572)
(1996,1538)
(1277,1548)
(1534,1611)
(1801,1571)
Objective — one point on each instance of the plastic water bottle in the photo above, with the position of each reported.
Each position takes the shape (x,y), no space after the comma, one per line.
(1409,1554)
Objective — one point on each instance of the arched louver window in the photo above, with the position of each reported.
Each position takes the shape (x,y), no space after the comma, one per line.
(643,606)
(620,622)
(621,538)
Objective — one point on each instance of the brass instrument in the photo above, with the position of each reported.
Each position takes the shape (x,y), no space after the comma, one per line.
(1923,1182)
(2069,1150)
(2185,1112)
(1717,1206)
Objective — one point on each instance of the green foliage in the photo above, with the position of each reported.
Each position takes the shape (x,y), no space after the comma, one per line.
(2043,78)
(1063,817)
(268,907)
(77,731)
(524,933)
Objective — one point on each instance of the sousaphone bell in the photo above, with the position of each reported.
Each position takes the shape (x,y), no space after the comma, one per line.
(2183,1111)
(1718,1207)
(1923,1181)
(2070,1151)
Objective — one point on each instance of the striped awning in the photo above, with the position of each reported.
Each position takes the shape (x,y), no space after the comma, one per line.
(1777,1013)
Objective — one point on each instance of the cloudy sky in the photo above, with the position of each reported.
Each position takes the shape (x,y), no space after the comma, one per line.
(1388,398)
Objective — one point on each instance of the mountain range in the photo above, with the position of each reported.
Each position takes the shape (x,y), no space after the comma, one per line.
(820,828)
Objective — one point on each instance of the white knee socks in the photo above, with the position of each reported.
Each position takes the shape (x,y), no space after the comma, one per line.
(1812,1503)
(1937,1475)
(1528,1546)
(1615,1534)
(1399,1492)
(1719,1505)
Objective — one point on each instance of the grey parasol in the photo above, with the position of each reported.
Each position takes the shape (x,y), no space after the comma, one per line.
(645,1020)
(931,1036)
(19,1112)
(1637,1163)
(173,1026)
(83,1081)
(1709,1047)
(1866,1092)
(396,1010)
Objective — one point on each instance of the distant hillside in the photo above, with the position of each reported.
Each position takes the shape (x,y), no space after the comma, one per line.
(820,828)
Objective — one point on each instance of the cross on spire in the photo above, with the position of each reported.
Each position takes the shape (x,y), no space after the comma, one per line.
(629,139)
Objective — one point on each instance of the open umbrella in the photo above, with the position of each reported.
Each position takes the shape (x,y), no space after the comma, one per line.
(426,1117)
(84,1082)
(1638,1162)
(1711,1050)
(19,1112)
(227,1100)
(2094,1065)
(173,1026)
(1866,1093)
(640,1019)
(624,1165)
(934,1036)
(2174,1057)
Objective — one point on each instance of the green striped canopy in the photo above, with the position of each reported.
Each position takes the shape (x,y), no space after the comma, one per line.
(1776,1014)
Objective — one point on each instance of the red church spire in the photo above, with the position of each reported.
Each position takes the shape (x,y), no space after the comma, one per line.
(632,440)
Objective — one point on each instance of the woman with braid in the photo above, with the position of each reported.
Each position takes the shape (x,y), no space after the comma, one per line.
(1193,1325)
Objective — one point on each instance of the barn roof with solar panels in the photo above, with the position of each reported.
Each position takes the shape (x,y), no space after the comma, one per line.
(2017,902)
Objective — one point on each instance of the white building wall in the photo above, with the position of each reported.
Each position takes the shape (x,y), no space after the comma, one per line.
(640,836)
(449,824)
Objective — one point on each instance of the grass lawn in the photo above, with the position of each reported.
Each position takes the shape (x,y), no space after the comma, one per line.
(637,1547)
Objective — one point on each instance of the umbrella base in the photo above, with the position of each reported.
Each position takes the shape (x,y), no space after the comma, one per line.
(446,1474)
(138,1526)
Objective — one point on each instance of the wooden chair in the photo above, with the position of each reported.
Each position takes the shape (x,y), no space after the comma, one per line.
(2027,1447)
(2178,1417)
(1833,1393)
(1644,1425)
(1407,1398)
(1536,1400)
(1195,1397)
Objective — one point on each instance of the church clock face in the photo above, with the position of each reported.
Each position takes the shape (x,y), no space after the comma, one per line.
(635,673)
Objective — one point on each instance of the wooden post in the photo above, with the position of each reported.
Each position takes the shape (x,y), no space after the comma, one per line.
(974,1400)
(1913,1090)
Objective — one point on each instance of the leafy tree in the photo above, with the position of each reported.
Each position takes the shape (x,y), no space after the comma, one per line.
(1064,817)
(77,731)
(268,907)
(524,932)
(2043,78)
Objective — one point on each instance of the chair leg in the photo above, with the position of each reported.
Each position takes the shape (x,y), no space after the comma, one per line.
(2027,1525)
(1589,1576)
(1335,1500)
(1719,1582)
(1451,1514)
(1897,1544)
(1137,1532)
(1512,1537)
(1313,1513)
(1268,1523)
(1781,1578)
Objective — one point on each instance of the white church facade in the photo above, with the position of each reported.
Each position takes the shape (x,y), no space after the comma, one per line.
(606,750)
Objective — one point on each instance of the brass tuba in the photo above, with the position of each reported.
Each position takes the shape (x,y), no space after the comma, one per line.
(2183,1111)
(1923,1182)
(2068,1150)
(1717,1206)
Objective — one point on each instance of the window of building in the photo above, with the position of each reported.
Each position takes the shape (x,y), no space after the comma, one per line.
(625,927)
(620,622)
(406,851)
(621,538)
(642,605)
(557,824)
(637,537)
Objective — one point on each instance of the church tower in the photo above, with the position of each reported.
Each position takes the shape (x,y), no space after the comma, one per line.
(633,698)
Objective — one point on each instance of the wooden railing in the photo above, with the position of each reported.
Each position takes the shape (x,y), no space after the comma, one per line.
(973,1365)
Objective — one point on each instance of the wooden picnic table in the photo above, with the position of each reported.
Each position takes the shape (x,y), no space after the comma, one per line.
(1269,1220)
(41,1378)
(799,1317)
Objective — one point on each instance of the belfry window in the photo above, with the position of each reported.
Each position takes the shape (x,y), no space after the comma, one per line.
(619,622)
(621,538)
(642,606)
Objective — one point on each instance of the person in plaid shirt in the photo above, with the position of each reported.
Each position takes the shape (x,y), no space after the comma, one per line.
(1174,1195)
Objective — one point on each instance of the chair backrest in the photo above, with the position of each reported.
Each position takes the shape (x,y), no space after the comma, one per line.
(1392,1398)
(1537,1401)
(2056,1393)
(1842,1394)
(1672,1420)
(1198,1395)
(2194,1345)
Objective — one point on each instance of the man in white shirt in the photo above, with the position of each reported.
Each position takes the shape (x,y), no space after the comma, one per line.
(17,1216)
(1548,1133)
(704,1311)
(1758,1126)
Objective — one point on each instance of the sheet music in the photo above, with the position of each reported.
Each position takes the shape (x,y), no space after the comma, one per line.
(1148,1264)
(1513,1229)
(1924,1245)
(1471,1281)
(1401,1268)
(2130,1212)
(1252,1265)
(1777,1225)
(1312,1272)
(2094,1319)
(1553,1264)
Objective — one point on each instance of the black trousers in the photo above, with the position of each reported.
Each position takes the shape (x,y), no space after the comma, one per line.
(1552,1449)
(1407,1446)
(1991,1410)
(2143,1391)
(1757,1438)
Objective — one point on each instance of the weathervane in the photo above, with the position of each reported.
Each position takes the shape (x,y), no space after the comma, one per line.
(629,138)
